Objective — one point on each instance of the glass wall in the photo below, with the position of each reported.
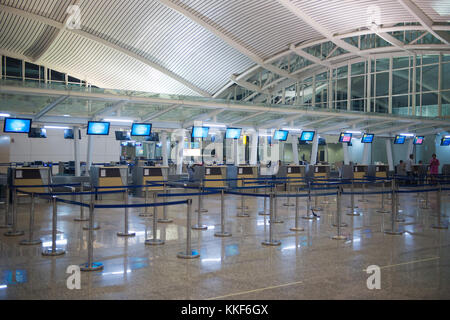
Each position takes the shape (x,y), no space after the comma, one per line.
(405,85)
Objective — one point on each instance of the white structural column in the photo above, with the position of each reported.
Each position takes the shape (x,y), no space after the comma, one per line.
(253,148)
(346,154)
(165,154)
(90,148)
(389,154)
(366,153)
(76,151)
(315,146)
(294,143)
(180,151)
(236,151)
(410,148)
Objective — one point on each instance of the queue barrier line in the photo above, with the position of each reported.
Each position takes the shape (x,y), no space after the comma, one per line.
(247,194)
(68,193)
(81,204)
(140,205)
(47,185)
(186,194)
(305,195)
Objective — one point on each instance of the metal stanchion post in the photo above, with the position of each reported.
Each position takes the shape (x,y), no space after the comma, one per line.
(352,203)
(383,209)
(54,251)
(316,204)
(14,232)
(393,230)
(7,199)
(94,226)
(242,207)
(296,227)
(242,214)
(308,215)
(427,204)
(222,232)
(200,197)
(145,213)
(199,225)
(264,212)
(275,218)
(126,233)
(189,254)
(82,217)
(398,218)
(288,203)
(30,240)
(440,224)
(91,266)
(352,198)
(338,217)
(164,219)
(271,241)
(154,241)
(363,199)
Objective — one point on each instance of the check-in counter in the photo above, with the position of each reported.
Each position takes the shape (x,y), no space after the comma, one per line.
(104,176)
(27,176)
(320,171)
(360,171)
(378,170)
(247,172)
(295,173)
(142,175)
(214,173)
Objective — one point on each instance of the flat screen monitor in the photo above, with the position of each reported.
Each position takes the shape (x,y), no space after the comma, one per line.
(367,138)
(141,129)
(418,140)
(68,134)
(307,136)
(445,141)
(345,137)
(37,133)
(122,135)
(322,142)
(200,132)
(98,128)
(399,139)
(280,135)
(17,125)
(233,133)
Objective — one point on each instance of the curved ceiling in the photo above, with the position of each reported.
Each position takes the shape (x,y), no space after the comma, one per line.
(201,47)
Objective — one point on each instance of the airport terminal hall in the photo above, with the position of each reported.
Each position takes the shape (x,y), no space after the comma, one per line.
(237,150)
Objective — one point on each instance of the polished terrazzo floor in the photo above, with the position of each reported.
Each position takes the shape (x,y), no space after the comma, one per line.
(307,265)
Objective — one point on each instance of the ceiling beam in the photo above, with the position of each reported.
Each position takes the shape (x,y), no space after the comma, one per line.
(108,110)
(248,117)
(343,125)
(274,123)
(153,115)
(395,129)
(318,27)
(424,20)
(202,117)
(313,123)
(200,19)
(49,107)
(106,43)
(310,57)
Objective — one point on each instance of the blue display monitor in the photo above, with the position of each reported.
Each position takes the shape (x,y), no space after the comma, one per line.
(37,133)
(345,137)
(98,128)
(445,141)
(68,134)
(280,135)
(399,139)
(233,133)
(418,140)
(367,138)
(17,125)
(200,132)
(141,129)
(307,136)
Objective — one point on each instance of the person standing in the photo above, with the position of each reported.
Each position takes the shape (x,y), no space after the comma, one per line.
(434,167)
(409,168)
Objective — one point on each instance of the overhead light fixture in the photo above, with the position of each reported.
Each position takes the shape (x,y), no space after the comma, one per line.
(5,115)
(446,136)
(119,120)
(264,135)
(292,129)
(55,127)
(214,125)
(355,132)
(66,115)
(407,134)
